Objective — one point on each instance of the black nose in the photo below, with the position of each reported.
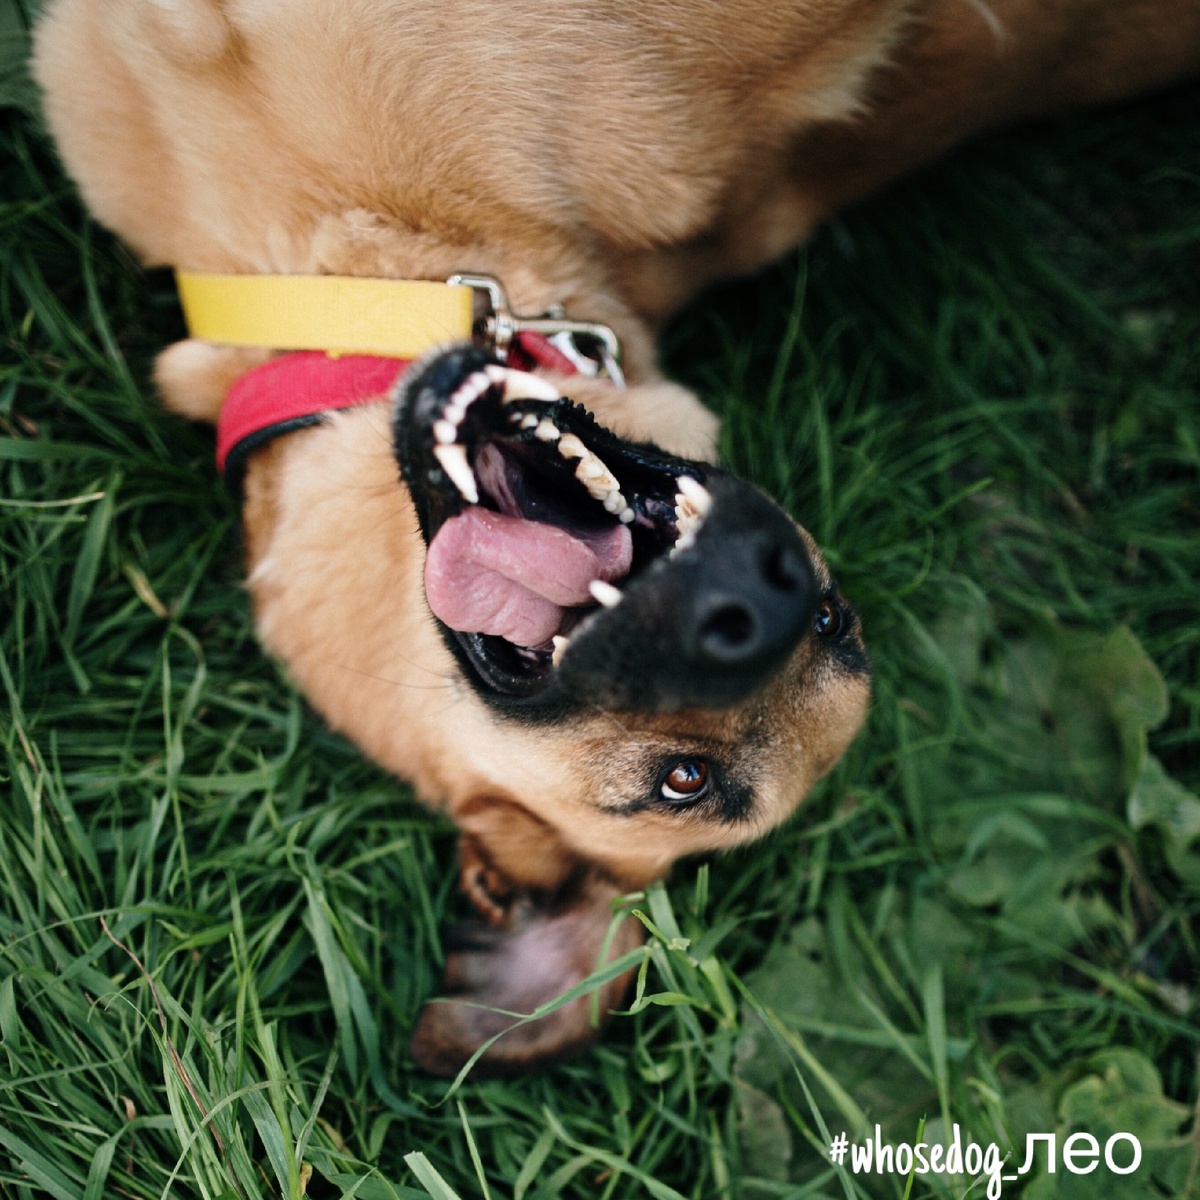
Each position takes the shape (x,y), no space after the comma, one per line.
(752,598)
(712,625)
(755,595)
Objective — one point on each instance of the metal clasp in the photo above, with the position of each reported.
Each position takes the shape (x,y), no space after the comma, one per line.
(594,349)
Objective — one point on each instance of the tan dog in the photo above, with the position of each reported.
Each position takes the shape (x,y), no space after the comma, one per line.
(672,673)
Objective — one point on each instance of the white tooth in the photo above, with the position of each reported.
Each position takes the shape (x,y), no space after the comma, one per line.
(445,432)
(687,525)
(454,412)
(496,373)
(590,467)
(547,431)
(453,460)
(569,446)
(530,420)
(560,648)
(595,476)
(696,492)
(685,510)
(683,541)
(520,385)
(692,504)
(604,593)
(626,517)
(614,503)
(471,389)
(602,487)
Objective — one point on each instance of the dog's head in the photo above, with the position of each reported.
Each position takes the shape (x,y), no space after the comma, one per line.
(666,632)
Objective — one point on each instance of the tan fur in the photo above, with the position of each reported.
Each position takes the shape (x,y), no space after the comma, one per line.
(614,158)
(339,597)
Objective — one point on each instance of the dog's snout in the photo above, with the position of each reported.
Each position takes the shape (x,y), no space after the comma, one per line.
(755,600)
(709,627)
(730,631)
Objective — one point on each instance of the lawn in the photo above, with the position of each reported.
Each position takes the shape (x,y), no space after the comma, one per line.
(981,392)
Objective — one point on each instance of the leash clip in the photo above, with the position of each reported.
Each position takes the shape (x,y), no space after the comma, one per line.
(593,349)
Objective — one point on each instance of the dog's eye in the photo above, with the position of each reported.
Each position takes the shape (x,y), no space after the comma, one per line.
(828,621)
(685,782)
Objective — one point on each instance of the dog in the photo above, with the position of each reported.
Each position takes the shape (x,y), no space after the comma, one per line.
(513,582)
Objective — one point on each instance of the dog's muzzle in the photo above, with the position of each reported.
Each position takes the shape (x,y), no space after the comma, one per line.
(569,567)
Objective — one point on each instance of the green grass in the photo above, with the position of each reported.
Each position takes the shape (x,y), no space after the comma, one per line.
(217,922)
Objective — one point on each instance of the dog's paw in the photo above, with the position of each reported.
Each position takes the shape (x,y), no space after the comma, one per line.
(497,977)
(193,376)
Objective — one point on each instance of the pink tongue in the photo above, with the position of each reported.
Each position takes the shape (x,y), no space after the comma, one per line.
(486,572)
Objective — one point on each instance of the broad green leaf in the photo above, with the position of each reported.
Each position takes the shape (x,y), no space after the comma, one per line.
(1158,802)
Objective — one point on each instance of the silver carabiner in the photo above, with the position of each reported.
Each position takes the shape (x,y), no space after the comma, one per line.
(499,325)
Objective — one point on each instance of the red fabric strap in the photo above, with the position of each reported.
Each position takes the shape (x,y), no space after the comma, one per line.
(293,390)
(286,390)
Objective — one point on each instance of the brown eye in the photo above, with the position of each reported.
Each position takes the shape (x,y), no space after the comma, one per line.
(828,621)
(685,782)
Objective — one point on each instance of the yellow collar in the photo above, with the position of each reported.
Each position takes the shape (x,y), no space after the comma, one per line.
(392,318)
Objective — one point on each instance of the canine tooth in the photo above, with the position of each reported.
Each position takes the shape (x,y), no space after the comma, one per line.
(693,502)
(521,385)
(445,432)
(453,460)
(529,420)
(547,431)
(604,593)
(569,446)
(560,648)
(696,492)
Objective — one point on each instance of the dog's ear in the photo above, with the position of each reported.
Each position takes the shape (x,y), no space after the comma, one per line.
(542,928)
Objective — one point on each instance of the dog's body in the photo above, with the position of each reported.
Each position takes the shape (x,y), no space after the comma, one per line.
(612,160)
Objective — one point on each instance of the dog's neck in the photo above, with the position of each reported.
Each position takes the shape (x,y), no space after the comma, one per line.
(350,338)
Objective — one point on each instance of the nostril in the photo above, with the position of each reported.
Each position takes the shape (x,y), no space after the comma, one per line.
(783,569)
(730,632)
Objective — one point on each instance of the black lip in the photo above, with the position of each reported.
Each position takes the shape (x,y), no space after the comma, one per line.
(422,400)
(704,625)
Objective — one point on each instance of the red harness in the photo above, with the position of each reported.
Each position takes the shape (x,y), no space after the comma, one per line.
(296,390)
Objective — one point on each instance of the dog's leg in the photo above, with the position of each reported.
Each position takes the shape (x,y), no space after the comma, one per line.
(545,920)
(963,66)
(970,65)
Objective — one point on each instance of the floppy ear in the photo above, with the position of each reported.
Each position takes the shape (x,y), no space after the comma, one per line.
(536,937)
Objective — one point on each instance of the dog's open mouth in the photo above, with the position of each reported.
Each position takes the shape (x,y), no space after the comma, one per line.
(536,517)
